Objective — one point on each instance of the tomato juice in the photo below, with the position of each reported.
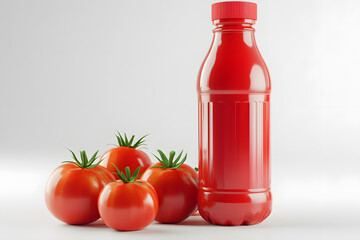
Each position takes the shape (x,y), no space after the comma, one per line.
(234,115)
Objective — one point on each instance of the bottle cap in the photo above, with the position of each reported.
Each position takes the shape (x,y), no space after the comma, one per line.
(233,9)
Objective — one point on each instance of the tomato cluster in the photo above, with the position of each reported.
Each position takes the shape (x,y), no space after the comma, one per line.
(81,191)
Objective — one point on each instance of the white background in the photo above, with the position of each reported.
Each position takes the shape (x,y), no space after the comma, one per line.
(72,72)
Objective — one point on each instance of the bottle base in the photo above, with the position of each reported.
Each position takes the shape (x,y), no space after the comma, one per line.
(233,208)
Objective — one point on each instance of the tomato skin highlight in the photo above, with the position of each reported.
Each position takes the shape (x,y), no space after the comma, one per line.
(128,206)
(71,192)
(125,157)
(192,172)
(176,190)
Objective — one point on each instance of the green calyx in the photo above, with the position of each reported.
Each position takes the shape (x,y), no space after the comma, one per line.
(127,177)
(125,142)
(84,161)
(169,162)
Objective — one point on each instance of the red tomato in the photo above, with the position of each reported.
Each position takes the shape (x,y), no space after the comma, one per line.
(176,185)
(192,172)
(73,188)
(128,204)
(126,155)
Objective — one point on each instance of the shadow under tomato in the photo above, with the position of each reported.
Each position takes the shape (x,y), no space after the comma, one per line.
(97,224)
(191,221)
(145,231)
(100,224)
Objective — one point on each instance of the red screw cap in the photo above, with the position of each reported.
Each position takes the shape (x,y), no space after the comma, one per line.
(233,9)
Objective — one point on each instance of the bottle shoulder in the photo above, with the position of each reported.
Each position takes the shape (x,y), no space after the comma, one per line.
(234,68)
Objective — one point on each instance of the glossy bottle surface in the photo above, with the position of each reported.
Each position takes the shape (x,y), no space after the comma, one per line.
(234,112)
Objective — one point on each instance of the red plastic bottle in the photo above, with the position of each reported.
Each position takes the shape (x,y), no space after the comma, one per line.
(233,96)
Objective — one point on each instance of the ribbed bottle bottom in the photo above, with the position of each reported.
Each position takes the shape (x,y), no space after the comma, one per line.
(234,208)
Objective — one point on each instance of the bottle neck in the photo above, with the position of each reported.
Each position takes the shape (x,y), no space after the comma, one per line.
(241,24)
(239,30)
